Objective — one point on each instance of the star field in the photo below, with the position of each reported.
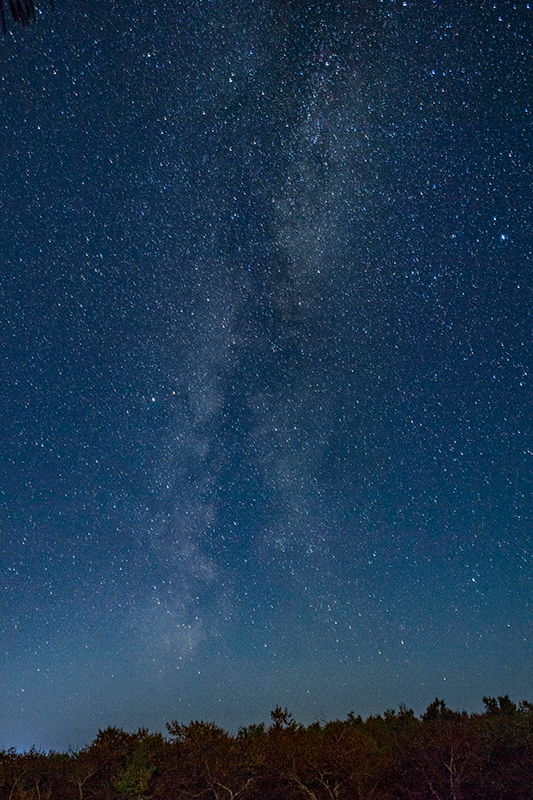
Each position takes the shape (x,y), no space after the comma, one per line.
(265,362)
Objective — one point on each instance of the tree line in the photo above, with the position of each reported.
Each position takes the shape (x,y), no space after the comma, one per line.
(442,755)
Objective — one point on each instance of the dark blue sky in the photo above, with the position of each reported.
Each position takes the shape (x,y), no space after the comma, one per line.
(265,362)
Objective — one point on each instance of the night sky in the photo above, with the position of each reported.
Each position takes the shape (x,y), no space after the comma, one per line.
(266,344)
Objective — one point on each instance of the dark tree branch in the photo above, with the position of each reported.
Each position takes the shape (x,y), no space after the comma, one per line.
(22,12)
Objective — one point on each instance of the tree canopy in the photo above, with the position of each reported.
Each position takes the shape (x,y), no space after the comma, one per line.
(442,755)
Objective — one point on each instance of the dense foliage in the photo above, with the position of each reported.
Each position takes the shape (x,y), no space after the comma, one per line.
(443,755)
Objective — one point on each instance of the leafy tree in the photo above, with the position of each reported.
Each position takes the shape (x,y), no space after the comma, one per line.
(437,710)
(446,757)
(282,719)
(134,780)
(81,768)
(10,773)
(112,751)
(213,763)
(501,706)
(508,734)
(251,731)
(33,782)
